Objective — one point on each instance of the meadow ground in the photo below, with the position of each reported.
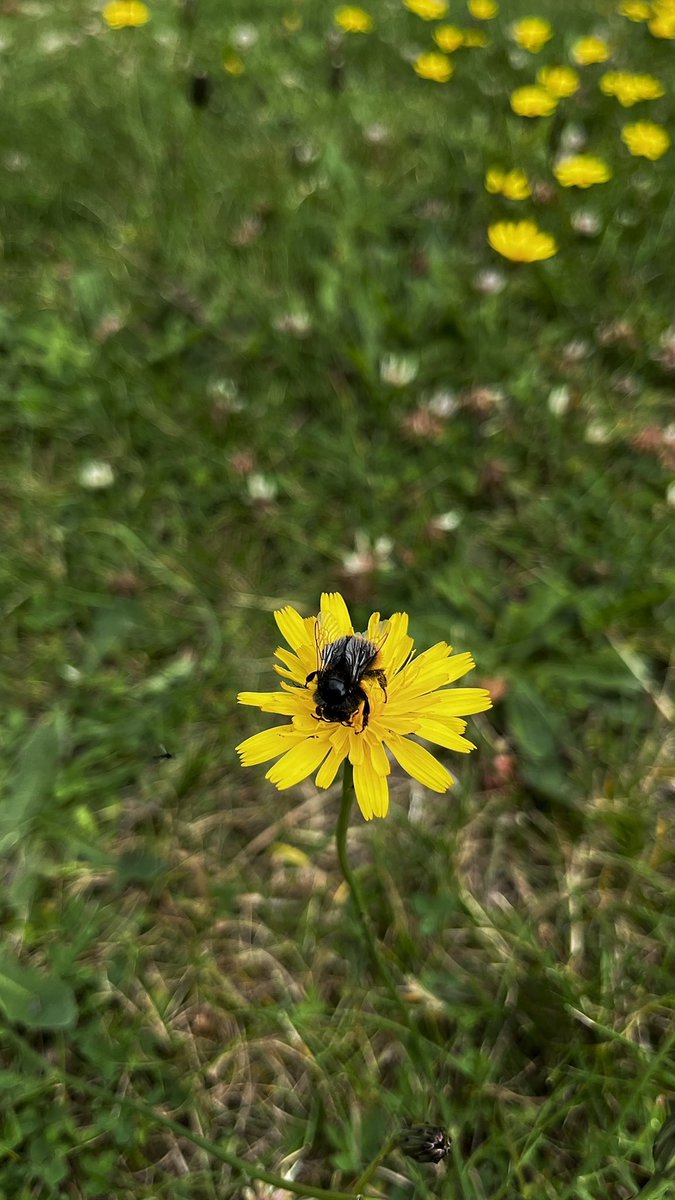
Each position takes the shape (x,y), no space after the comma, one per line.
(262,337)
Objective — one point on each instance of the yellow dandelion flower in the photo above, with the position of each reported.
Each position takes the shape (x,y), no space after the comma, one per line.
(533,101)
(559,81)
(646,139)
(635,10)
(532,33)
(126,14)
(521,241)
(513,184)
(436,67)
(589,50)
(448,38)
(475,38)
(582,171)
(353,20)
(483,10)
(662,25)
(233,64)
(376,696)
(630,89)
(428,10)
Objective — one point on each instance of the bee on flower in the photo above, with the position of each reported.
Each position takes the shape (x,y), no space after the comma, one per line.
(352,696)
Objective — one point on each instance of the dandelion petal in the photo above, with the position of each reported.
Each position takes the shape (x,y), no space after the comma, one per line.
(298,763)
(372,792)
(265,745)
(419,763)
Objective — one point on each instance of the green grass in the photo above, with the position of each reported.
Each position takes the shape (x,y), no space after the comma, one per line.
(176,933)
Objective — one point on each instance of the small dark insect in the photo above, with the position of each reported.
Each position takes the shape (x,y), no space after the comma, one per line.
(200,90)
(344,664)
(165,754)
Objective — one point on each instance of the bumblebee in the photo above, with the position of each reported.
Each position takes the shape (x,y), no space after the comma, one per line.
(344,664)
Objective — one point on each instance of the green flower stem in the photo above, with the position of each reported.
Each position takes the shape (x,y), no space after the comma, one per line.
(366,1175)
(379,960)
(113,1100)
(341,837)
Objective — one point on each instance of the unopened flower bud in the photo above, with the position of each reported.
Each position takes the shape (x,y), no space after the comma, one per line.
(424,1143)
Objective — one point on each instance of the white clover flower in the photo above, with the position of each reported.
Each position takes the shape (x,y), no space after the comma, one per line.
(398,370)
(261,487)
(559,400)
(96,475)
(446,522)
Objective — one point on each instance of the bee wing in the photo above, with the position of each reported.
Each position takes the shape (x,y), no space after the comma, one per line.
(322,639)
(378,632)
(359,654)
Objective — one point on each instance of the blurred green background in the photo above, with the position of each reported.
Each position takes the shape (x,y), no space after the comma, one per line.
(255,345)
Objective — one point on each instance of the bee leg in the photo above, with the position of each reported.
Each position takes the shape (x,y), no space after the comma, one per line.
(365,715)
(382,680)
(310,677)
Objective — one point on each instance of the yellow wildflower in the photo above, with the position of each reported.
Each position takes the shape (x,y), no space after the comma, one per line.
(428,10)
(397,696)
(646,139)
(126,14)
(589,50)
(559,81)
(512,184)
(662,25)
(448,37)
(483,10)
(521,241)
(635,10)
(582,171)
(629,89)
(532,33)
(434,66)
(233,64)
(353,20)
(475,38)
(533,101)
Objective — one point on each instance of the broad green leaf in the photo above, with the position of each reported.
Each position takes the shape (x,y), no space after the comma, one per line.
(536,728)
(31,782)
(32,998)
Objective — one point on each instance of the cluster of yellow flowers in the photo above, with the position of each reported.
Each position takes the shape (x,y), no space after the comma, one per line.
(523,241)
(520,241)
(629,89)
(659,15)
